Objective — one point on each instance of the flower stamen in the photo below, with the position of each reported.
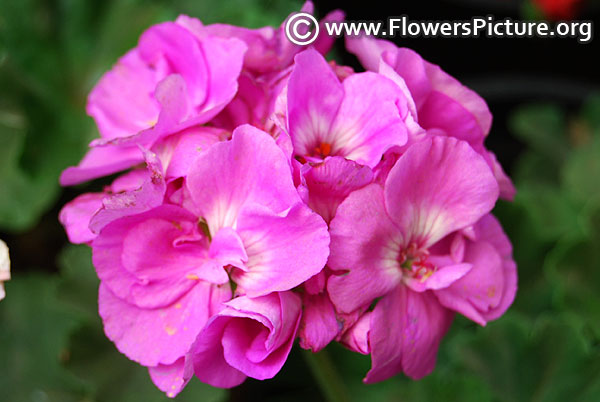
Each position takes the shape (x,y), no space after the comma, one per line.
(414,263)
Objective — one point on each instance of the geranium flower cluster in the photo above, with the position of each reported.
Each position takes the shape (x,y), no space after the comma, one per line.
(271,195)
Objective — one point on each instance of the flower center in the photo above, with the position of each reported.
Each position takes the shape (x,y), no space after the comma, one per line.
(323,149)
(414,263)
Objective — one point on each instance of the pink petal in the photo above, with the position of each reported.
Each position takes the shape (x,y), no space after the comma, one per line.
(227,248)
(4,267)
(472,105)
(440,279)
(178,152)
(101,161)
(283,250)
(169,378)
(122,103)
(329,183)
(148,196)
(489,229)
(365,242)
(507,188)
(250,336)
(155,336)
(206,357)
(179,52)
(131,180)
(316,284)
(481,289)
(406,330)
(438,186)
(141,284)
(75,217)
(487,292)
(368,50)
(442,101)
(441,112)
(194,81)
(249,168)
(224,58)
(356,338)
(157,249)
(368,121)
(314,96)
(324,42)
(319,324)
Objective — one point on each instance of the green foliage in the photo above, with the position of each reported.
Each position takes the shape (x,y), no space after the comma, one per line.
(34,342)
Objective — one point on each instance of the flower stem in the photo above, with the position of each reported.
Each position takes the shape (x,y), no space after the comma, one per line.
(326,375)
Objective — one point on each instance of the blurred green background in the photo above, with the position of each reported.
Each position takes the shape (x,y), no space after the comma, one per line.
(52,347)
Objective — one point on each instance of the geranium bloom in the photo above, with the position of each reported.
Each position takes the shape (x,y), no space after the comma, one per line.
(214,252)
(4,267)
(144,187)
(265,69)
(393,243)
(443,105)
(269,50)
(249,337)
(358,119)
(167,269)
(171,81)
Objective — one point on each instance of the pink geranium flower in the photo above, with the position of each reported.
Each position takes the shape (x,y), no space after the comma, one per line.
(443,105)
(167,268)
(358,119)
(392,241)
(171,81)
(267,65)
(249,337)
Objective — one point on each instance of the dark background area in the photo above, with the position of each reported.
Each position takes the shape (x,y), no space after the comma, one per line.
(505,71)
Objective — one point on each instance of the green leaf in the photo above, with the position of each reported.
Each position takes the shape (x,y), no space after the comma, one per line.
(34,342)
(591,112)
(524,361)
(542,127)
(581,174)
(551,212)
(79,283)
(247,13)
(573,267)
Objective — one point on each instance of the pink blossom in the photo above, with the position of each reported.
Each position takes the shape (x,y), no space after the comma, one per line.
(246,184)
(249,337)
(139,189)
(171,81)
(358,119)
(489,288)
(389,241)
(269,50)
(165,269)
(76,215)
(266,68)
(443,105)
(327,184)
(216,255)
